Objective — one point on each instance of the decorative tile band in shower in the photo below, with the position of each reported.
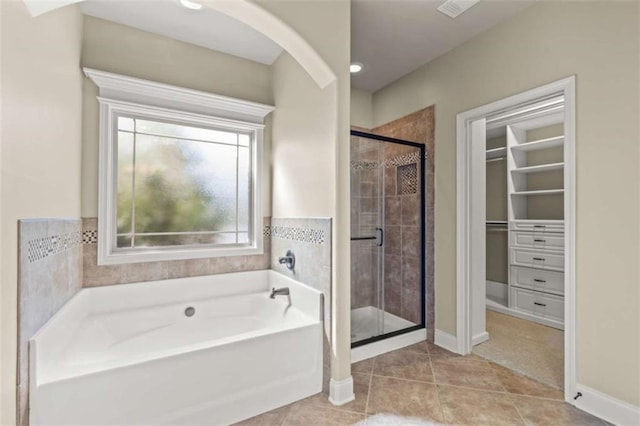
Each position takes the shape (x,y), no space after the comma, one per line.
(305,235)
(363,165)
(40,248)
(402,160)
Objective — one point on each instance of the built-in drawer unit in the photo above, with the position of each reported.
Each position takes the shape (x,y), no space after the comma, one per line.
(547,241)
(538,279)
(537,259)
(555,226)
(536,303)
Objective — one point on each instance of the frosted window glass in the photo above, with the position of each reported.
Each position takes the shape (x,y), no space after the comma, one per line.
(182,190)
(124,182)
(186,132)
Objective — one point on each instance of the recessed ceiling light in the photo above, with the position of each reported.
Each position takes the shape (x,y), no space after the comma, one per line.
(191,4)
(454,8)
(355,67)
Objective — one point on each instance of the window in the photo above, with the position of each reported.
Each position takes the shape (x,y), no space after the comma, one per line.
(176,183)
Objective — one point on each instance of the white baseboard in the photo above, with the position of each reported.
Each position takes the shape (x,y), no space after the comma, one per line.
(387,345)
(606,407)
(480,338)
(341,391)
(446,340)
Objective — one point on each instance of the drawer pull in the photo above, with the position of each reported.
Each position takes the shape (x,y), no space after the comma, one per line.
(537,240)
(539,226)
(539,258)
(539,304)
(538,280)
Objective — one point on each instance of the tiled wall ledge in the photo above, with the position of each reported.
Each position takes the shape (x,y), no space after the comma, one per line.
(49,274)
(98,275)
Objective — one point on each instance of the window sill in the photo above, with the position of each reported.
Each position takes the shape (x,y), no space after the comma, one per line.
(158,255)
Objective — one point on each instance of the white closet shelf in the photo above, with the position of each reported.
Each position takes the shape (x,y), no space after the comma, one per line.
(496,152)
(548,221)
(539,144)
(540,168)
(539,192)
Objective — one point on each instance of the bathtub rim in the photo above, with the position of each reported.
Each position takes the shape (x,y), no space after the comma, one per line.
(80,308)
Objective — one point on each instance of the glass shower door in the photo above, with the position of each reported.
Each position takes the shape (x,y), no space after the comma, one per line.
(387,237)
(367,236)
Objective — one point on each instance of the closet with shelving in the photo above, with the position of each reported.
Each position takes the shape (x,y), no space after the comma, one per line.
(525,218)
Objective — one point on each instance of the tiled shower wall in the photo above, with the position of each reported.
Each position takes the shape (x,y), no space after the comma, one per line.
(49,274)
(97,275)
(402,263)
(416,127)
(385,172)
(366,190)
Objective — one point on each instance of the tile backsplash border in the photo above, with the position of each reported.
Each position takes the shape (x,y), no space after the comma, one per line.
(98,275)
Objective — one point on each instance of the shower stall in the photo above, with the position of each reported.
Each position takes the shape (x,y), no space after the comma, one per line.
(387,237)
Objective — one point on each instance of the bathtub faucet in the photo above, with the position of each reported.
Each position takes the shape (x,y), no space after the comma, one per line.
(284,291)
(289,260)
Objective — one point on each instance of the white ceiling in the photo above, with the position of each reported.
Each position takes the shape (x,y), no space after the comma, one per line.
(394,37)
(390,37)
(205,27)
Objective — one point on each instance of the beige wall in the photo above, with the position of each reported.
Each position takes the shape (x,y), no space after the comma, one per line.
(361,108)
(326,27)
(108,46)
(302,142)
(41,143)
(597,41)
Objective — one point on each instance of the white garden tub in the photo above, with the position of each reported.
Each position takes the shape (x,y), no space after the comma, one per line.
(128,354)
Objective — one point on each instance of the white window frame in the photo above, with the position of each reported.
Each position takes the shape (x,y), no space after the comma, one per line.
(122,95)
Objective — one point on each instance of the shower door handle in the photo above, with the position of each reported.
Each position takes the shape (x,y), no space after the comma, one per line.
(379,237)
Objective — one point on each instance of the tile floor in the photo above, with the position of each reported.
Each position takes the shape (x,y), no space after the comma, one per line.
(535,350)
(427,385)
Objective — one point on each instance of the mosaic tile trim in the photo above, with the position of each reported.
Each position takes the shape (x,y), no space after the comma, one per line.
(41,248)
(402,160)
(305,235)
(363,165)
(408,179)
(90,236)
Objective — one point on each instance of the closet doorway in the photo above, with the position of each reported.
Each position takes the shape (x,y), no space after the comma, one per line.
(516,233)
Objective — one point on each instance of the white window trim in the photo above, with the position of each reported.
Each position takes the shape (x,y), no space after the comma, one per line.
(126,95)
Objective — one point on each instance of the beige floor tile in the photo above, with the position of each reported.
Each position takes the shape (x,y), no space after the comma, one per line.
(270,418)
(416,400)
(396,420)
(437,351)
(518,384)
(307,415)
(475,407)
(472,372)
(404,364)
(421,347)
(364,366)
(553,413)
